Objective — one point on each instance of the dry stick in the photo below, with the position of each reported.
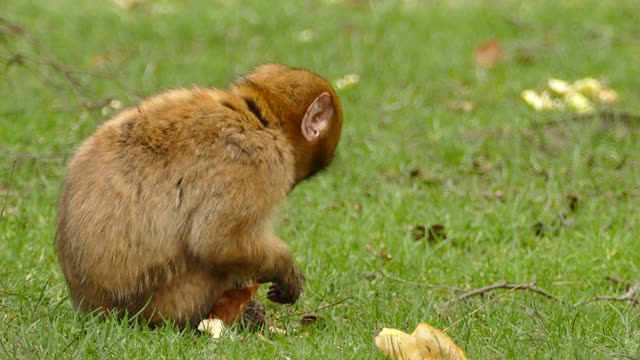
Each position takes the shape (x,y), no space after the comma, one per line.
(504,285)
(6,194)
(20,155)
(631,295)
(313,310)
(501,285)
(68,73)
(85,105)
(419,284)
(15,29)
(478,309)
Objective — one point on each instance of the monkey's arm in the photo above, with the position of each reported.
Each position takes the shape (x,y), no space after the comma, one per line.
(231,232)
(263,259)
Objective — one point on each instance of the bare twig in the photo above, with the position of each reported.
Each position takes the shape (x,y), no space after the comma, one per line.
(15,29)
(20,155)
(313,310)
(501,285)
(479,308)
(6,194)
(504,285)
(419,284)
(23,345)
(614,279)
(86,105)
(631,295)
(43,65)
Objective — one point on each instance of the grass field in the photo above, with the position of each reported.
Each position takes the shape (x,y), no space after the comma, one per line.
(543,198)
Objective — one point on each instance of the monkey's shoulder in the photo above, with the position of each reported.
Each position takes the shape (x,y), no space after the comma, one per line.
(186,130)
(193,121)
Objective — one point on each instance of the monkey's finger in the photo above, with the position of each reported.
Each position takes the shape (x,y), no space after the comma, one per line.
(276,295)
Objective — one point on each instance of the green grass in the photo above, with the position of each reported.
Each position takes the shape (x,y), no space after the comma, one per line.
(488,175)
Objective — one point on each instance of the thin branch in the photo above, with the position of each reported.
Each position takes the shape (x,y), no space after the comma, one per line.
(6,194)
(48,63)
(86,105)
(20,155)
(478,309)
(501,285)
(631,295)
(16,30)
(504,285)
(23,345)
(313,310)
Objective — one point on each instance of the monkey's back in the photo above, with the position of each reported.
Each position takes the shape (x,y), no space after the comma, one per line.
(158,181)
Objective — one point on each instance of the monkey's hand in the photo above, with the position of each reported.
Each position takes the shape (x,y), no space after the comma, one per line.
(287,290)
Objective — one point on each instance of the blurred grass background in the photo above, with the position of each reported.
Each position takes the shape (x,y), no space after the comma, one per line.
(430,137)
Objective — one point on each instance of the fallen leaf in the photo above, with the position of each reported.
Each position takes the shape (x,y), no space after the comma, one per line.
(384,255)
(425,343)
(106,58)
(462,106)
(308,320)
(573,201)
(482,166)
(436,233)
(418,231)
(496,195)
(370,276)
(350,28)
(380,253)
(417,174)
(414,173)
(488,53)
(539,228)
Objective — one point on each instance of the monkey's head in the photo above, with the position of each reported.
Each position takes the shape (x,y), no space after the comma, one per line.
(300,103)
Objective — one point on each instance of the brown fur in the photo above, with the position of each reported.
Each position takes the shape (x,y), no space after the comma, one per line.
(169,204)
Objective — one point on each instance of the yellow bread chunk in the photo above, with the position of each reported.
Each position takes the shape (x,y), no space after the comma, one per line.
(425,343)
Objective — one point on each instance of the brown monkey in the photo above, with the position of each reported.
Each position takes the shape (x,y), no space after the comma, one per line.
(170,204)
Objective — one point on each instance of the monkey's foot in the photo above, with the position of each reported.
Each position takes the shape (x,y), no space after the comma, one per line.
(253,317)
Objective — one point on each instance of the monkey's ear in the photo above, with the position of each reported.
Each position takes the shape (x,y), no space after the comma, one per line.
(318,116)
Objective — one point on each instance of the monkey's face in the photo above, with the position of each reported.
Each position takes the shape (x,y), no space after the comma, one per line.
(303,105)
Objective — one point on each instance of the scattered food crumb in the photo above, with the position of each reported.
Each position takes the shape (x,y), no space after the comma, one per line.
(215,327)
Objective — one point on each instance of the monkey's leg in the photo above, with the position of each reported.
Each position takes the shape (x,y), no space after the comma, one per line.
(187,298)
(265,260)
